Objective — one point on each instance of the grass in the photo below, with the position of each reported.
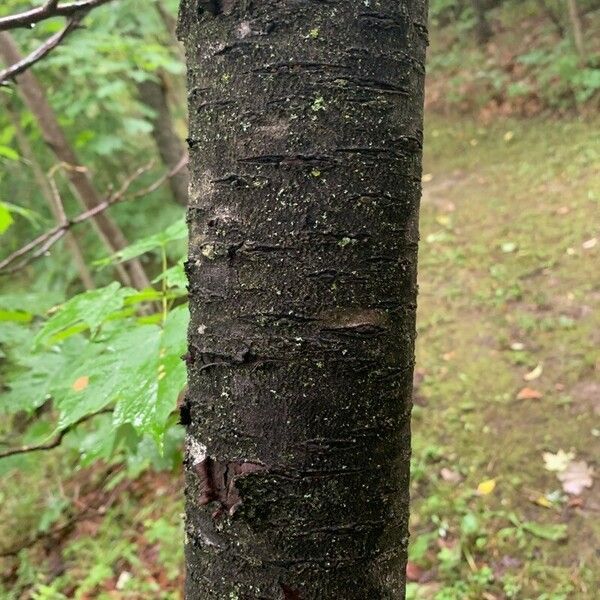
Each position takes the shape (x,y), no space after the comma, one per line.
(508,282)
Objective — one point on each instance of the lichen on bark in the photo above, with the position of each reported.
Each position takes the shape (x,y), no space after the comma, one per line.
(305,144)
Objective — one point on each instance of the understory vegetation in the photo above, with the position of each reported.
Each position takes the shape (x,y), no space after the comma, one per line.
(507,384)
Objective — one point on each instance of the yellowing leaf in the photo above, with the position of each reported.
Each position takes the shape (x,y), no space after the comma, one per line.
(81,383)
(557,462)
(542,501)
(535,373)
(486,487)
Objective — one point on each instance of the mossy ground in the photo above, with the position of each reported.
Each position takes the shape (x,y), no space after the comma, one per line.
(508,281)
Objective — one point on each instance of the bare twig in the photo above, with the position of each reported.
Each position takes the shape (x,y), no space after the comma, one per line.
(40,245)
(39,53)
(54,443)
(50,9)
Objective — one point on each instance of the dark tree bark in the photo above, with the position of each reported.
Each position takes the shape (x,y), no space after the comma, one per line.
(154,95)
(306,142)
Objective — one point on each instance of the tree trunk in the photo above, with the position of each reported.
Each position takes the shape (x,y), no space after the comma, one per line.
(577,29)
(483,30)
(170,147)
(306,143)
(52,200)
(35,98)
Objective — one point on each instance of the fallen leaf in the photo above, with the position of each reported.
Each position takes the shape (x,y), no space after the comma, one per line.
(509,135)
(486,487)
(557,462)
(427,177)
(576,477)
(528,393)
(517,346)
(450,475)
(589,244)
(575,502)
(554,533)
(124,578)
(81,383)
(542,501)
(535,374)
(508,247)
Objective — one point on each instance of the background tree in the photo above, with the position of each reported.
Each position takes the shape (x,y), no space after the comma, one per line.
(305,141)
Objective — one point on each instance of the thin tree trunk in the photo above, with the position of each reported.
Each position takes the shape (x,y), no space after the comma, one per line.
(170,147)
(552,16)
(306,143)
(35,98)
(54,203)
(577,29)
(483,30)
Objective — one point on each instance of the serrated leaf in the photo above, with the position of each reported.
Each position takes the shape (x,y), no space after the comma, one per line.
(90,308)
(112,367)
(177,231)
(557,462)
(160,380)
(138,369)
(576,477)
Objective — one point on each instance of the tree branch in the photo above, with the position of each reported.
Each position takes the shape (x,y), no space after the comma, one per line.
(39,53)
(40,245)
(50,9)
(56,441)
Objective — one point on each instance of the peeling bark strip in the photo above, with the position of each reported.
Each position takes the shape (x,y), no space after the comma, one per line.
(305,142)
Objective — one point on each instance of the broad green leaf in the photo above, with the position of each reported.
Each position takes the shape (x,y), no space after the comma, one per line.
(112,368)
(177,231)
(90,308)
(157,383)
(38,374)
(35,303)
(139,369)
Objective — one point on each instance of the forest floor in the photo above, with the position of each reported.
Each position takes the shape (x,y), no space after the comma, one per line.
(507,399)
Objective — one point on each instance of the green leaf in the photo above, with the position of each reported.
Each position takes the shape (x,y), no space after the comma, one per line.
(157,383)
(111,369)
(38,374)
(554,533)
(9,153)
(16,316)
(90,308)
(177,231)
(6,219)
(139,369)
(174,277)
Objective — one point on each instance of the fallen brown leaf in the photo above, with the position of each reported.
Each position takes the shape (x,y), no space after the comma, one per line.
(528,393)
